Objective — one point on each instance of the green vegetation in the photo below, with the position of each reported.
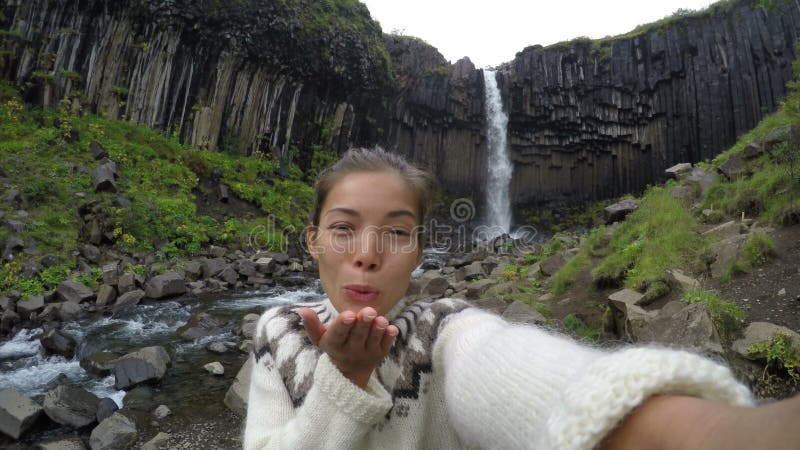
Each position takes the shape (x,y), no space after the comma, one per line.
(779,353)
(513,272)
(580,329)
(595,246)
(758,248)
(659,235)
(727,316)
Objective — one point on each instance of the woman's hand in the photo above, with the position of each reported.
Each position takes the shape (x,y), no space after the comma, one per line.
(356,343)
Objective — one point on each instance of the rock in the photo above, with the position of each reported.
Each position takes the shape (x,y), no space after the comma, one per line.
(17,412)
(50,260)
(71,405)
(781,293)
(34,303)
(677,278)
(778,135)
(246,268)
(476,289)
(68,311)
(295,267)
(58,380)
(702,179)
(519,312)
(676,171)
(435,287)
(236,397)
(15,226)
(732,168)
(30,270)
(146,365)
(64,443)
(213,267)
(90,252)
(229,275)
(103,179)
(98,152)
(128,300)
(752,151)
(165,285)
(618,211)
(552,264)
(470,272)
(682,193)
(126,283)
(727,229)
(248,327)
(55,342)
(106,295)
(762,333)
(115,433)
(72,291)
(192,270)
(217,347)
(7,304)
(161,412)
(626,296)
(111,273)
(105,408)
(14,197)
(12,247)
(726,252)
(99,364)
(217,251)
(265,265)
(8,320)
(111,165)
(685,326)
(246,346)
(199,326)
(214,368)
(160,441)
(224,193)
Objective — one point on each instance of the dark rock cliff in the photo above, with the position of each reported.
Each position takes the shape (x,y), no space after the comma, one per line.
(588,119)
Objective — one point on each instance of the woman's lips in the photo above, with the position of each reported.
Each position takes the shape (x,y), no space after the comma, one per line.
(361,293)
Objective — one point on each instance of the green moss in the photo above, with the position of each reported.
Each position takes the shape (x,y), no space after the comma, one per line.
(577,327)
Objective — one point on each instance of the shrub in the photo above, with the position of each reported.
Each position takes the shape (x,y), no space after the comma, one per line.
(780,353)
(758,248)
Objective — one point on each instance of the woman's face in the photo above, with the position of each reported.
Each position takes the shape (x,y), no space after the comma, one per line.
(366,243)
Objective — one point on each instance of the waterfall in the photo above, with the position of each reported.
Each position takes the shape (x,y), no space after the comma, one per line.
(499,164)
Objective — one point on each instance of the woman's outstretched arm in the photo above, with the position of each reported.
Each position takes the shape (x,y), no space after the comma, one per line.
(670,422)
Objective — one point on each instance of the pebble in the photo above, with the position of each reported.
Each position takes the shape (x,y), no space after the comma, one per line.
(214,368)
(782,292)
(161,412)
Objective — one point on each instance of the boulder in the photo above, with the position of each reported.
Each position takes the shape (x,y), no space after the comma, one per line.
(98,152)
(762,333)
(248,327)
(435,286)
(224,193)
(115,433)
(105,408)
(12,247)
(679,279)
(733,167)
(266,265)
(726,252)
(476,289)
(99,364)
(72,291)
(213,267)
(50,260)
(752,151)
(217,251)
(229,275)
(103,179)
(626,296)
(143,366)
(161,412)
(126,283)
(618,211)
(71,405)
(682,193)
(552,264)
(192,270)
(90,252)
(56,342)
(684,326)
(246,268)
(106,294)
(161,440)
(217,347)
(199,326)
(111,165)
(728,229)
(470,272)
(34,303)
(236,397)
(214,368)
(676,171)
(492,304)
(15,226)
(165,285)
(702,179)
(17,412)
(8,320)
(111,273)
(778,135)
(67,311)
(519,312)
(128,300)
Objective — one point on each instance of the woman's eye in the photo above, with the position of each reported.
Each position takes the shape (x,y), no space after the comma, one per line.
(398,232)
(340,227)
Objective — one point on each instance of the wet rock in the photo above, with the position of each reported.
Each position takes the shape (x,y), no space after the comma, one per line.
(213,267)
(246,268)
(99,364)
(17,412)
(55,342)
(676,171)
(165,286)
(59,380)
(34,303)
(229,275)
(192,270)
(236,397)
(161,412)
(518,312)
(217,347)
(618,211)
(246,346)
(128,300)
(68,311)
(265,265)
(98,152)
(146,365)
(782,292)
(106,295)
(762,333)
(214,368)
(115,433)
(105,408)
(199,326)
(161,440)
(64,443)
(733,167)
(8,320)
(103,179)
(72,291)
(12,247)
(71,405)
(248,327)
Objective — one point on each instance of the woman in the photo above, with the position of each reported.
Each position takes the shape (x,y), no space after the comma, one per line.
(367,369)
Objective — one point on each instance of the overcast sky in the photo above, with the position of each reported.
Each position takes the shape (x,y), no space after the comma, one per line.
(492,32)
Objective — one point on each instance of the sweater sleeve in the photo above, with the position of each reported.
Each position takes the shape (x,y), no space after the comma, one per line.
(335,413)
(517,386)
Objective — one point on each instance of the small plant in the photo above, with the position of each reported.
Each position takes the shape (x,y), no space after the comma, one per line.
(54,275)
(513,272)
(727,316)
(779,352)
(758,248)
(90,278)
(29,287)
(578,327)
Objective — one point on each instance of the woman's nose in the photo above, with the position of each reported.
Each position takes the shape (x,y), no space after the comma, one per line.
(368,255)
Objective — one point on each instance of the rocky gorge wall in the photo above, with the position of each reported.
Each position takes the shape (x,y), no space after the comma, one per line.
(588,119)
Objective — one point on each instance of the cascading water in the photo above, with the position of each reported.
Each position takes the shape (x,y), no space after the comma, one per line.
(499,164)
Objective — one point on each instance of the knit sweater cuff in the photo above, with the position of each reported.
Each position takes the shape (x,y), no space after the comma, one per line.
(613,385)
(366,406)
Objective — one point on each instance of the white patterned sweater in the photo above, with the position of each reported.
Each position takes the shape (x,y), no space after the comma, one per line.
(459,377)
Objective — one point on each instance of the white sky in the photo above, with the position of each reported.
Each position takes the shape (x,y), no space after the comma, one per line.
(492,32)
